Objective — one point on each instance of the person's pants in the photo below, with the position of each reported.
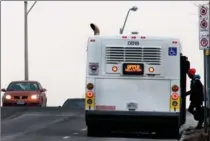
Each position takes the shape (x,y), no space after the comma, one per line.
(197,111)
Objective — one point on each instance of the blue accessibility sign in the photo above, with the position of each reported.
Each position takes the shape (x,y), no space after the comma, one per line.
(172,51)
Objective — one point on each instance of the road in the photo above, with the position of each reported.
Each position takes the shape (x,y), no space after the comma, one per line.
(55,125)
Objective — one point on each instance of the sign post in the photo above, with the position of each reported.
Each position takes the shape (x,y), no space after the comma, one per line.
(204,39)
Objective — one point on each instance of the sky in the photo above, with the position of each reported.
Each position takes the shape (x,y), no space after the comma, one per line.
(58,33)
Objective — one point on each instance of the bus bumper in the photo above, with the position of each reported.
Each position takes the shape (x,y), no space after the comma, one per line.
(133,120)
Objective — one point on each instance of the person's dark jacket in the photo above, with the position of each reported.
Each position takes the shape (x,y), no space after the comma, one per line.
(196,90)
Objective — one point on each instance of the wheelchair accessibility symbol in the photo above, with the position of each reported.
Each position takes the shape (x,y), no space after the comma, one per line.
(172,51)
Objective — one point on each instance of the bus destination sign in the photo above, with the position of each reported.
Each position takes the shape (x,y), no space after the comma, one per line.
(133,69)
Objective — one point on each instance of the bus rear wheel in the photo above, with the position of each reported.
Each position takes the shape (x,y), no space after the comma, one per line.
(97,131)
(169,134)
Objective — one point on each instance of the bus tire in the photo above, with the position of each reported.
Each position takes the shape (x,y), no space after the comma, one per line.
(93,131)
(169,134)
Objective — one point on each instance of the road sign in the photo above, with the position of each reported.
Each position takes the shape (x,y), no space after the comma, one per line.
(172,51)
(203,24)
(203,10)
(203,27)
(204,43)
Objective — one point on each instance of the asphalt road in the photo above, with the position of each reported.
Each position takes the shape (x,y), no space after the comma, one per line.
(56,125)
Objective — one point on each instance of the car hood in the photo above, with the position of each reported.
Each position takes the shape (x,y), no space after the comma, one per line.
(19,93)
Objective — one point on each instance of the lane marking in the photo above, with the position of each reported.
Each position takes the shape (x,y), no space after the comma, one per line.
(75,133)
(66,137)
(84,129)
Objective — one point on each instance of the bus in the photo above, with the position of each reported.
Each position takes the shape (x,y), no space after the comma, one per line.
(134,82)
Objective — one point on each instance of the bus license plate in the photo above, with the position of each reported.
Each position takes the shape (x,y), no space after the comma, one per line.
(20,102)
(132,106)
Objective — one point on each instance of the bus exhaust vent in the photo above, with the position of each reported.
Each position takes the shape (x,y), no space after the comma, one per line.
(151,56)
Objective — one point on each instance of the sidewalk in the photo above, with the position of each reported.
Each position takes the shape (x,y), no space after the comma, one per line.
(189,133)
(194,135)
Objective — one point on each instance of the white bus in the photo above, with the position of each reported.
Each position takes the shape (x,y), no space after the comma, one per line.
(134,82)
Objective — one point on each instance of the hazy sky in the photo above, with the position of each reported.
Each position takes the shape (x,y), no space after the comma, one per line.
(58,33)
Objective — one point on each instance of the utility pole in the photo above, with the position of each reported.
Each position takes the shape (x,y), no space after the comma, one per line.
(207,54)
(0,55)
(204,39)
(26,12)
(26,39)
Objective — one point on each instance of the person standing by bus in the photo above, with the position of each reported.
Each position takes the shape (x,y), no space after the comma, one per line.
(196,97)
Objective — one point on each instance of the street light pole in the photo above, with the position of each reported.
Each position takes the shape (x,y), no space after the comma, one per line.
(134,8)
(26,39)
(0,55)
(26,12)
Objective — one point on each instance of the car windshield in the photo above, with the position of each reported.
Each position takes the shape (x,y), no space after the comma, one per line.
(23,86)
(74,103)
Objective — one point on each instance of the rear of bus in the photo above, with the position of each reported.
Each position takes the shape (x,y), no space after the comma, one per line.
(133,81)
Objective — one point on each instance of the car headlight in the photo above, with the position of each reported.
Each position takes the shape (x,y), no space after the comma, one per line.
(8,96)
(35,96)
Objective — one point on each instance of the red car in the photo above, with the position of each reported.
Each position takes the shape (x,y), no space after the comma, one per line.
(24,93)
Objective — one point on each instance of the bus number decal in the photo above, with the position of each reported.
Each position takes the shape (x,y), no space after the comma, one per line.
(133,43)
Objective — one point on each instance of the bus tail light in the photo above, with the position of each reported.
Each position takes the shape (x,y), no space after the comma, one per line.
(90,86)
(174,96)
(89,100)
(174,103)
(89,94)
(175,88)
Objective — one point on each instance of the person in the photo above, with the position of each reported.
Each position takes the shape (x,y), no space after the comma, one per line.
(196,97)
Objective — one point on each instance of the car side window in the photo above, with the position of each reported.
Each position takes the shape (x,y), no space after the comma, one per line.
(40,86)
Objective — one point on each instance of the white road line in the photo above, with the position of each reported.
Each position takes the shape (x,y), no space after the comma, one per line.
(75,133)
(84,129)
(66,137)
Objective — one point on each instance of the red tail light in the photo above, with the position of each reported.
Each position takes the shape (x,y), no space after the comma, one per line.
(89,94)
(175,88)
(175,96)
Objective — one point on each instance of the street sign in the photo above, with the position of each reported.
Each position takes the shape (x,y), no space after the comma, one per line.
(203,27)
(203,10)
(203,24)
(204,42)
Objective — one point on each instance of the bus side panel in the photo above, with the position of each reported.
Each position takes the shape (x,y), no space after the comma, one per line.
(94,55)
(150,95)
(171,63)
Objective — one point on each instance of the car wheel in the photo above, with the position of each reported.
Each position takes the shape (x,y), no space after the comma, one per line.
(4,105)
(91,131)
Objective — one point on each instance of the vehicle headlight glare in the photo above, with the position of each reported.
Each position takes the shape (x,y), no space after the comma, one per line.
(34,96)
(8,97)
